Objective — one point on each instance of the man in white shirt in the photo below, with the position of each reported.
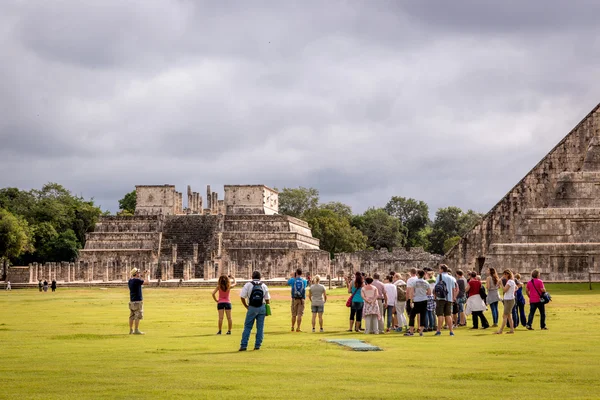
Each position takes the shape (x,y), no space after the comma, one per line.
(254,295)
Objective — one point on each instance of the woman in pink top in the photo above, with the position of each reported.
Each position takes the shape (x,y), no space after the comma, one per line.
(535,287)
(224,286)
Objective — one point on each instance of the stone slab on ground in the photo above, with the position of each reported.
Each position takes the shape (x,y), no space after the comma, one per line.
(355,344)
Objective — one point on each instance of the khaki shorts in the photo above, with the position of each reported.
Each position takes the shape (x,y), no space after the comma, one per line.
(508,306)
(297,307)
(136,310)
(443,308)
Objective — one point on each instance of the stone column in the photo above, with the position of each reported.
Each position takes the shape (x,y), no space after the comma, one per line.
(208,197)
(127,270)
(174,253)
(105,277)
(68,272)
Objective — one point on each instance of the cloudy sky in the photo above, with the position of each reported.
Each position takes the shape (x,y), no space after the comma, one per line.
(451,102)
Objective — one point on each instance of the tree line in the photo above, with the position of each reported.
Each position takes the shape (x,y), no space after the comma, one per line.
(45,225)
(402,222)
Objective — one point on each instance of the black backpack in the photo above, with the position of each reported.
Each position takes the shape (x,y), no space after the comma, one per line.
(256,295)
(440,289)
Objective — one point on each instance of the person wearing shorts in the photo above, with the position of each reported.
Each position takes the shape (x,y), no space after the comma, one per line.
(224,285)
(509,301)
(136,302)
(318,297)
(443,306)
(298,299)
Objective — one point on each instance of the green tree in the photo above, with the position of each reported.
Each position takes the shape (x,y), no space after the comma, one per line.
(468,221)
(15,235)
(334,231)
(296,202)
(413,215)
(450,243)
(128,202)
(381,229)
(451,222)
(340,209)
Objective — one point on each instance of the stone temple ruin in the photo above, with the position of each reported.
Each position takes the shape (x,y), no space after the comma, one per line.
(237,235)
(550,220)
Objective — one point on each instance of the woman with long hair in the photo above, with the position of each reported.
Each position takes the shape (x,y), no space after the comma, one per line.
(224,286)
(357,301)
(519,309)
(508,302)
(493,283)
(371,310)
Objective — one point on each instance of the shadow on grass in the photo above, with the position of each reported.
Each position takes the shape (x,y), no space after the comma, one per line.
(89,336)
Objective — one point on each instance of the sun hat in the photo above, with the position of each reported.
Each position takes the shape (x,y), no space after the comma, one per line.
(134,271)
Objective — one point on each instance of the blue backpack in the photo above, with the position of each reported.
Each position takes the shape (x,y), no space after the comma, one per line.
(298,289)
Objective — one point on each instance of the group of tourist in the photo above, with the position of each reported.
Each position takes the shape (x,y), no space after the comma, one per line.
(384,306)
(43,285)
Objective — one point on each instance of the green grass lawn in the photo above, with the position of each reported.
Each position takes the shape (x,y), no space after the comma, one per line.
(75,344)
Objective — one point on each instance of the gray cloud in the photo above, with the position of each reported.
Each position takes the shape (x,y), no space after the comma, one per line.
(448,103)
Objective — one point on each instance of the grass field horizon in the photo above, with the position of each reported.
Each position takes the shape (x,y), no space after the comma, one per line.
(75,344)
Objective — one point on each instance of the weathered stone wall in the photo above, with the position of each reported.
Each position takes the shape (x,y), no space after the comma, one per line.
(251,199)
(158,200)
(383,261)
(276,263)
(17,274)
(536,190)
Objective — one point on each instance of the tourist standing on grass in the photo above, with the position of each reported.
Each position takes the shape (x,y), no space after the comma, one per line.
(40,284)
(391,295)
(421,290)
(298,285)
(136,302)
(475,304)
(45,285)
(519,308)
(508,301)
(53,285)
(371,310)
(255,296)
(401,298)
(357,302)
(381,300)
(224,286)
(430,324)
(8,287)
(318,297)
(410,289)
(493,283)
(534,289)
(461,299)
(446,291)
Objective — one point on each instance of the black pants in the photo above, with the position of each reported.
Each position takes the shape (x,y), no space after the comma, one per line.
(477,315)
(409,307)
(542,308)
(420,308)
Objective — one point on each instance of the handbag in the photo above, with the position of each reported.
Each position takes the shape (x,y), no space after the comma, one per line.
(349,302)
(267,309)
(545,297)
(482,293)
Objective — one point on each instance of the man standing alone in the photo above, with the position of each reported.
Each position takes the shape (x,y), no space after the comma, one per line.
(136,302)
(298,285)
(254,295)
(445,291)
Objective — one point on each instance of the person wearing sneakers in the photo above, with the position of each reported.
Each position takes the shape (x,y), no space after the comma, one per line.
(421,290)
(318,298)
(445,291)
(136,302)
(534,289)
(298,285)
(391,295)
(224,286)
(508,302)
(255,296)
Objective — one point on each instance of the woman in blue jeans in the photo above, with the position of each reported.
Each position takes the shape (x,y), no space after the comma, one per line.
(519,308)
(357,302)
(493,283)
(534,289)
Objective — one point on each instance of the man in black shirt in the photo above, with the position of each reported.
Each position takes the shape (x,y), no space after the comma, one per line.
(136,303)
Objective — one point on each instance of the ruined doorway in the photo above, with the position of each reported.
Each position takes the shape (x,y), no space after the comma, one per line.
(480,264)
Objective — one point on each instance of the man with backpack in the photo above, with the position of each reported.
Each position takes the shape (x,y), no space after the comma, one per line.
(298,285)
(400,303)
(254,295)
(445,292)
